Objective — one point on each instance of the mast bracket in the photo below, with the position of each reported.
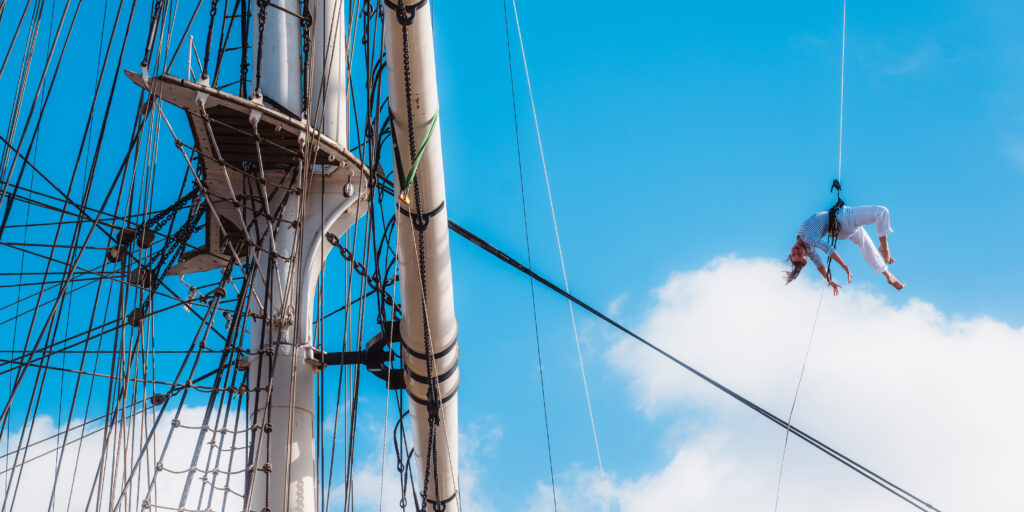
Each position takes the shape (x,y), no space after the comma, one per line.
(420,221)
(376,357)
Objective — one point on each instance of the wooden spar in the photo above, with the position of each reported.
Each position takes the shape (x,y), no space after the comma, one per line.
(424,262)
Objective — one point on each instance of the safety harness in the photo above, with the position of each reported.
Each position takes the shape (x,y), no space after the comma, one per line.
(833,223)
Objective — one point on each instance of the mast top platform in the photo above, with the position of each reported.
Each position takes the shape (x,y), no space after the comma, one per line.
(227,127)
(238,140)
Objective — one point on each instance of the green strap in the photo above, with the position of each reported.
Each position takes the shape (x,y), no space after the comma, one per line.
(407,180)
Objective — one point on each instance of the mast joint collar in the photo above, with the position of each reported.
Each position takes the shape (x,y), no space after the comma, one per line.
(405,14)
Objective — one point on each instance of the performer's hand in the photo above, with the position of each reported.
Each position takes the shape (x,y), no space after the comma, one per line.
(835,287)
(849,276)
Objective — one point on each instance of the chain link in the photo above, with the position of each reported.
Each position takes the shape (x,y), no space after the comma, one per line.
(209,38)
(306,23)
(154,22)
(176,243)
(159,219)
(261,18)
(371,280)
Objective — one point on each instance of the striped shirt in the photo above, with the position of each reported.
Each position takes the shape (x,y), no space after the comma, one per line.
(811,233)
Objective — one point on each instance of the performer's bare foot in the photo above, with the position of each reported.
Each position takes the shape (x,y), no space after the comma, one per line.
(895,283)
(883,249)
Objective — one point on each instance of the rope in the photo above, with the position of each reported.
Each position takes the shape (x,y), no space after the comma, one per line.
(792,407)
(842,87)
(561,258)
(833,229)
(529,261)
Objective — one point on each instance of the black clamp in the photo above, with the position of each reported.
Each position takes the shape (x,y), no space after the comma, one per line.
(434,410)
(420,221)
(405,13)
(377,356)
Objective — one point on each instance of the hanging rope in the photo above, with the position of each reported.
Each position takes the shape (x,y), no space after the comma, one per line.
(833,237)
(842,87)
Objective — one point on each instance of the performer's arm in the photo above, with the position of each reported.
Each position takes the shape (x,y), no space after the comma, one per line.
(839,260)
(824,273)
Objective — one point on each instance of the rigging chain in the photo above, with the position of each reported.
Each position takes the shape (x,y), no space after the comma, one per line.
(405,16)
(261,19)
(209,38)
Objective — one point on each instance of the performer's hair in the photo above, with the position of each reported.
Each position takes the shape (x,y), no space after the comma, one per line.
(797,267)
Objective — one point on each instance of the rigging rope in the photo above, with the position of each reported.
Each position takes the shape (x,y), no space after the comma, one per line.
(529,261)
(561,258)
(842,87)
(833,234)
(789,419)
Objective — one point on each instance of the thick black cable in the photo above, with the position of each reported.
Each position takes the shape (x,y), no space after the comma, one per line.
(828,450)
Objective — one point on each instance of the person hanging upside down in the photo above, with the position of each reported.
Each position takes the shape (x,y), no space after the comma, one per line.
(851,222)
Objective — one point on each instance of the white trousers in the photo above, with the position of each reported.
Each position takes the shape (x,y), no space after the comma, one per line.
(852,220)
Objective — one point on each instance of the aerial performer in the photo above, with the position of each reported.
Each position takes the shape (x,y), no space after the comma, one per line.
(850,222)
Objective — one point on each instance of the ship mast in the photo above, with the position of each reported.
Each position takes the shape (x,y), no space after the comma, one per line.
(292,254)
(430,352)
(321,202)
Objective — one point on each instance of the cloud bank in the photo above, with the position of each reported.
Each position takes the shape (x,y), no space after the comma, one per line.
(926,400)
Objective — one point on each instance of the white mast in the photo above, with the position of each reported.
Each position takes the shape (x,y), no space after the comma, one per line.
(430,352)
(291,260)
(278,182)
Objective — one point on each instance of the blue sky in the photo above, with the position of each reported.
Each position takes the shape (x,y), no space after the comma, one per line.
(686,142)
(714,130)
(692,132)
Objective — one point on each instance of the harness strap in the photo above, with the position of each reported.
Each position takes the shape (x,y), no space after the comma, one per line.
(833,223)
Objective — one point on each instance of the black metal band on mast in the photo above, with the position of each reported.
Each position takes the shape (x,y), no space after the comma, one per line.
(898,491)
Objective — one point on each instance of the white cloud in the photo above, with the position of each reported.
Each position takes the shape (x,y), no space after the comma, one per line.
(82,458)
(924,399)
(615,306)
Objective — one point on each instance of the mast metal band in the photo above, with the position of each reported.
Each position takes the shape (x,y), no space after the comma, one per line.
(405,14)
(420,221)
(426,403)
(423,357)
(444,501)
(422,379)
